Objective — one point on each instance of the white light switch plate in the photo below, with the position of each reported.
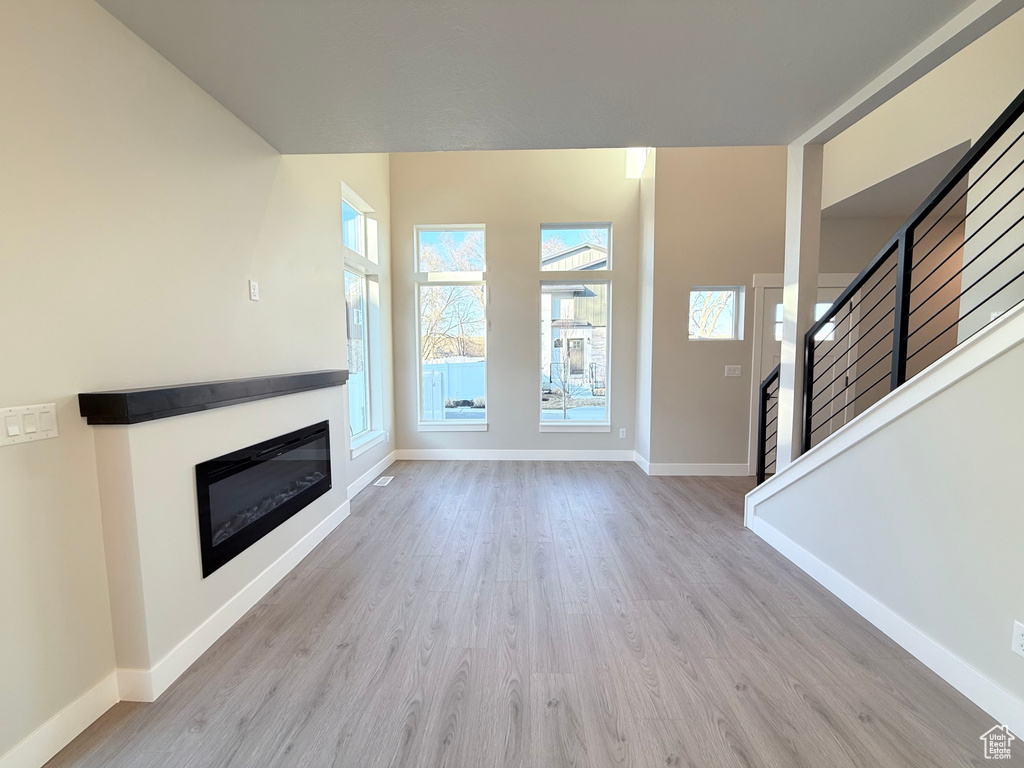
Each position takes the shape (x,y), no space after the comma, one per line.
(733,371)
(28,423)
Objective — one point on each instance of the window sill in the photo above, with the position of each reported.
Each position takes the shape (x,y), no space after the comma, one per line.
(363,443)
(454,427)
(573,426)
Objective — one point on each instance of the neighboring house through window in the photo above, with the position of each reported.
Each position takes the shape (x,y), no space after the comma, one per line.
(574,331)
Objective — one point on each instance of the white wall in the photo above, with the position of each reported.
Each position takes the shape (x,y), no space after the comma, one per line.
(135,208)
(512,194)
(922,517)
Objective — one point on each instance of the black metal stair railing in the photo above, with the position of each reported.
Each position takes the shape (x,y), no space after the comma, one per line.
(768,425)
(952,268)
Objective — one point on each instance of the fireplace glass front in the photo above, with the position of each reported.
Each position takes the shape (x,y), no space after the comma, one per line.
(244,495)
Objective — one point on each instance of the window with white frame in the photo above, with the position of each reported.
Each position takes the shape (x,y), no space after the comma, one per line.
(358,230)
(362,314)
(358,354)
(574,247)
(451,309)
(716,313)
(575,342)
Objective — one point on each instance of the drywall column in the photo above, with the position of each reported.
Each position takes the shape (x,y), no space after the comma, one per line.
(800,290)
(645,325)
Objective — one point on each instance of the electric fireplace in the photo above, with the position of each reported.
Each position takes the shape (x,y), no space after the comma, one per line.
(246,494)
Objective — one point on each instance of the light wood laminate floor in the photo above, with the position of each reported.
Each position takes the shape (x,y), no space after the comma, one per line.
(478,614)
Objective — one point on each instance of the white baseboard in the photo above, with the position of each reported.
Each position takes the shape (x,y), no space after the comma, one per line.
(706,470)
(970,682)
(57,732)
(641,462)
(370,475)
(148,684)
(459,454)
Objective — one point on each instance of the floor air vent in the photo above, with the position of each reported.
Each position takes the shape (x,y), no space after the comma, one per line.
(384,480)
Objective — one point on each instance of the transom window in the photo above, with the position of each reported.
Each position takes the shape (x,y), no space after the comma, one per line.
(573,247)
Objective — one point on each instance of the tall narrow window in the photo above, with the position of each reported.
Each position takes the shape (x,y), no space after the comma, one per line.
(358,354)
(451,306)
(574,352)
(362,314)
(575,319)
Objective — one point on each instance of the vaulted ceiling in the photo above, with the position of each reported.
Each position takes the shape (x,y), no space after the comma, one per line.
(400,75)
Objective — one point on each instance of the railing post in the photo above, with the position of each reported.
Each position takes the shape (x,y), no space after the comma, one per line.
(808,398)
(901,317)
(762,432)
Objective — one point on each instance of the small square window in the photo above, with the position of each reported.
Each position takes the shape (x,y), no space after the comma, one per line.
(716,313)
(575,247)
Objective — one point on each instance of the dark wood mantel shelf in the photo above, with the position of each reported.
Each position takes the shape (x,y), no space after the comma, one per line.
(132,406)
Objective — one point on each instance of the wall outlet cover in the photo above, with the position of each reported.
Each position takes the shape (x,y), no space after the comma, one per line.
(254,290)
(622,434)
(733,371)
(1018,638)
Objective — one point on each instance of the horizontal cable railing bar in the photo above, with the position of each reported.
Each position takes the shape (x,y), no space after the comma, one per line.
(835,378)
(968,313)
(858,282)
(964,291)
(843,391)
(988,140)
(971,186)
(868,331)
(970,237)
(865,315)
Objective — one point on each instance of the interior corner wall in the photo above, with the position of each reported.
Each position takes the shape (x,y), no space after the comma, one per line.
(720,218)
(645,308)
(512,194)
(953,103)
(135,209)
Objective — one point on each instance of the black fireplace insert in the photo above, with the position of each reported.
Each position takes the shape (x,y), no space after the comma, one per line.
(246,494)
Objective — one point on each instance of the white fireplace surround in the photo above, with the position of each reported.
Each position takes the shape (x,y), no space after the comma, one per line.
(165,614)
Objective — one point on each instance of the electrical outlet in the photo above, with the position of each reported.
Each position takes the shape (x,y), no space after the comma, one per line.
(1018,638)
(254,290)
(387,438)
(622,434)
